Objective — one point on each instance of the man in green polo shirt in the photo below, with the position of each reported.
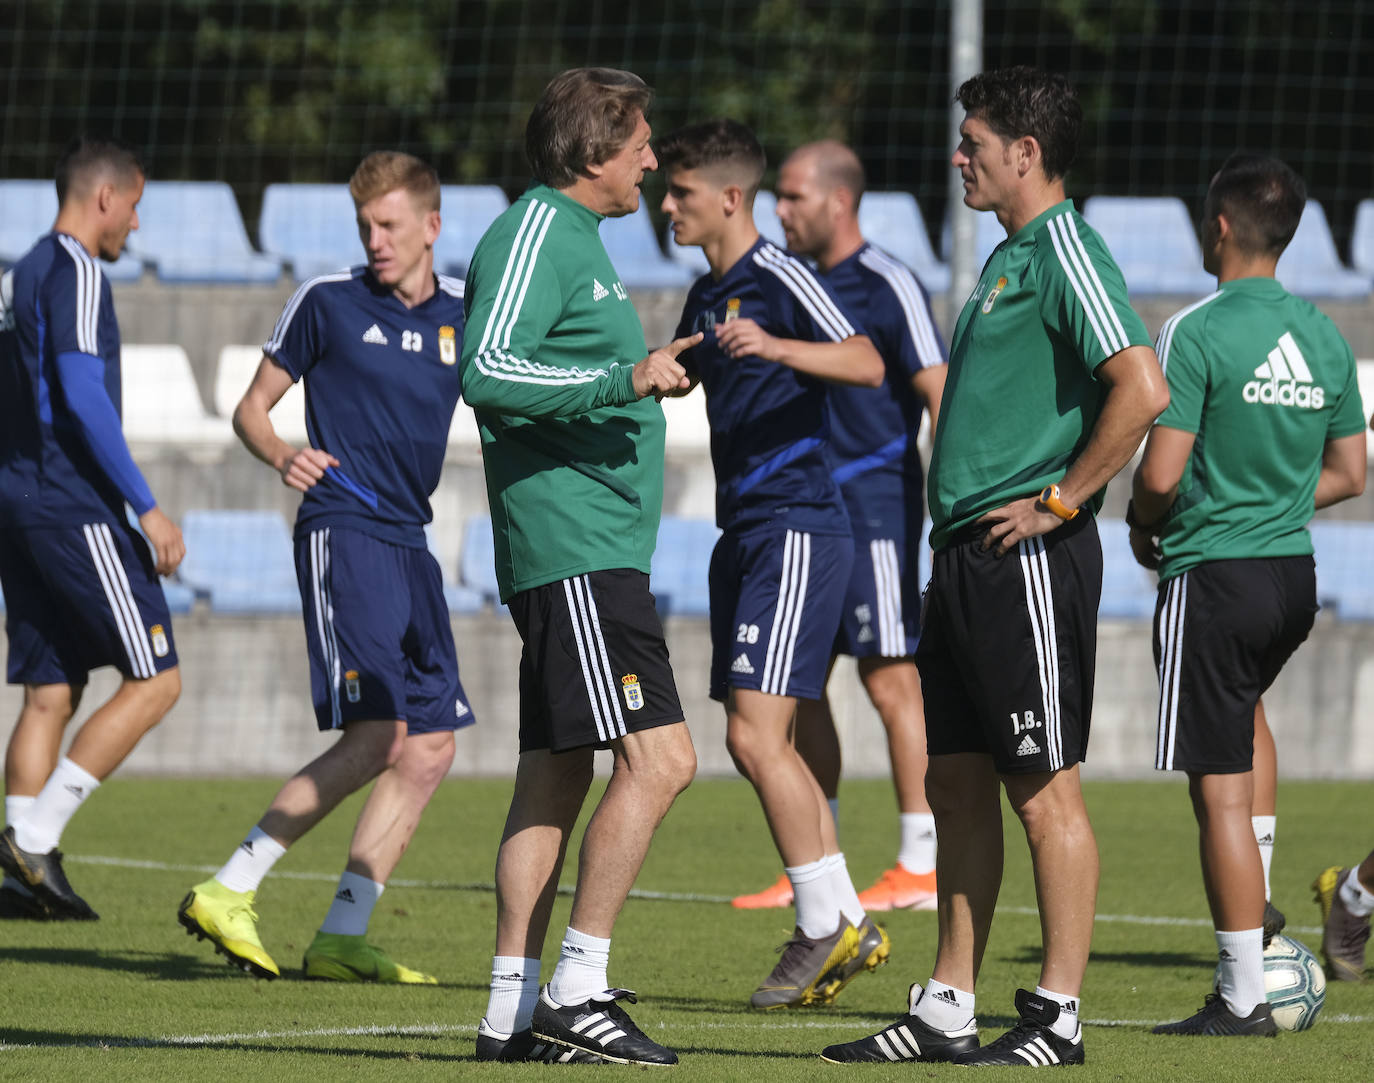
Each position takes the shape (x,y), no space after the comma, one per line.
(1264,426)
(572,434)
(1052,384)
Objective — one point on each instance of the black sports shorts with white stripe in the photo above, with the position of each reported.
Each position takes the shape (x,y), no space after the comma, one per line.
(595,664)
(1223,630)
(79,598)
(1008,647)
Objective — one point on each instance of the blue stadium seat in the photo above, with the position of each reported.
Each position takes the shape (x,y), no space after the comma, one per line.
(467,210)
(635,254)
(1344,583)
(1153,241)
(1128,590)
(681,565)
(477,561)
(892,221)
(242,561)
(1362,239)
(765,221)
(460,599)
(28,209)
(313,227)
(1310,265)
(193,232)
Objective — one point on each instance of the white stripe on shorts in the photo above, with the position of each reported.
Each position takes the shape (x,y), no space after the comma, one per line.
(1035,570)
(787,617)
(602,695)
(887,584)
(123,604)
(324,621)
(1170,668)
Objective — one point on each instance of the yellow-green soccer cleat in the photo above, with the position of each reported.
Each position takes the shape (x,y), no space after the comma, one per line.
(874,948)
(335,957)
(226,918)
(804,971)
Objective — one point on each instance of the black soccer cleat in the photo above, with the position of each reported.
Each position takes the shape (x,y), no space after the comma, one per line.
(21,905)
(42,874)
(524,1046)
(908,1039)
(1216,1019)
(1031,1043)
(1274,921)
(598,1026)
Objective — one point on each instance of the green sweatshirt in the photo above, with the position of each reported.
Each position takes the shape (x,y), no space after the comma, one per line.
(574,462)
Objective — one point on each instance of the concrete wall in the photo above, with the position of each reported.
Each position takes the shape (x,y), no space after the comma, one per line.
(245,706)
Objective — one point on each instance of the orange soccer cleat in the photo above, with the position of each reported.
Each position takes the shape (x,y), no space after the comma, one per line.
(898,889)
(774,897)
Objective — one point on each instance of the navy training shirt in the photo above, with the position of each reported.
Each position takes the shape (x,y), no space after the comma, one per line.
(55,300)
(381,385)
(769,423)
(873,430)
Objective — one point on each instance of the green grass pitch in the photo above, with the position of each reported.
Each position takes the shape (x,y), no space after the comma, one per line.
(134,998)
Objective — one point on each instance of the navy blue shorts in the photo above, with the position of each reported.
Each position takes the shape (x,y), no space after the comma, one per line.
(82,597)
(378,634)
(882,608)
(776,596)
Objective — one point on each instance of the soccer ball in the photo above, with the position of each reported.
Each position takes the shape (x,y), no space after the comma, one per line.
(1294,983)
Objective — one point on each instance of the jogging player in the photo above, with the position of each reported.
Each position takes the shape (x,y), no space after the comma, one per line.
(81,588)
(377,346)
(775,336)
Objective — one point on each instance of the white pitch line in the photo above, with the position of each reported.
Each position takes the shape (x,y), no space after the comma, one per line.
(419,1029)
(636,893)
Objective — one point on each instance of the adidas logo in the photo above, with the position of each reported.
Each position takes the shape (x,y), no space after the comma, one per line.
(866,634)
(75,791)
(1265,840)
(514,976)
(1225,956)
(344,895)
(741,665)
(374,335)
(1027,747)
(246,846)
(599,292)
(459,708)
(1285,379)
(1070,1007)
(946,996)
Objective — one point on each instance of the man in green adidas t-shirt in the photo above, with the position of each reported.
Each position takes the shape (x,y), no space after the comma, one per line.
(572,442)
(1264,426)
(1051,386)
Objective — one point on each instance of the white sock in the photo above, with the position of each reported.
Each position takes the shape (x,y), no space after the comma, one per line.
(581,970)
(251,862)
(1066,1026)
(41,827)
(352,907)
(15,807)
(1240,973)
(1357,900)
(918,842)
(1264,836)
(834,803)
(817,910)
(944,1007)
(842,890)
(514,993)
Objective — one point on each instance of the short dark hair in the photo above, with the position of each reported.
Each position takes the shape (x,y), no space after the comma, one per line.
(1021,101)
(713,143)
(584,117)
(1262,198)
(88,158)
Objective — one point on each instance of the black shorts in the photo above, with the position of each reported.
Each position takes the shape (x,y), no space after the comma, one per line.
(1008,645)
(1223,630)
(595,664)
